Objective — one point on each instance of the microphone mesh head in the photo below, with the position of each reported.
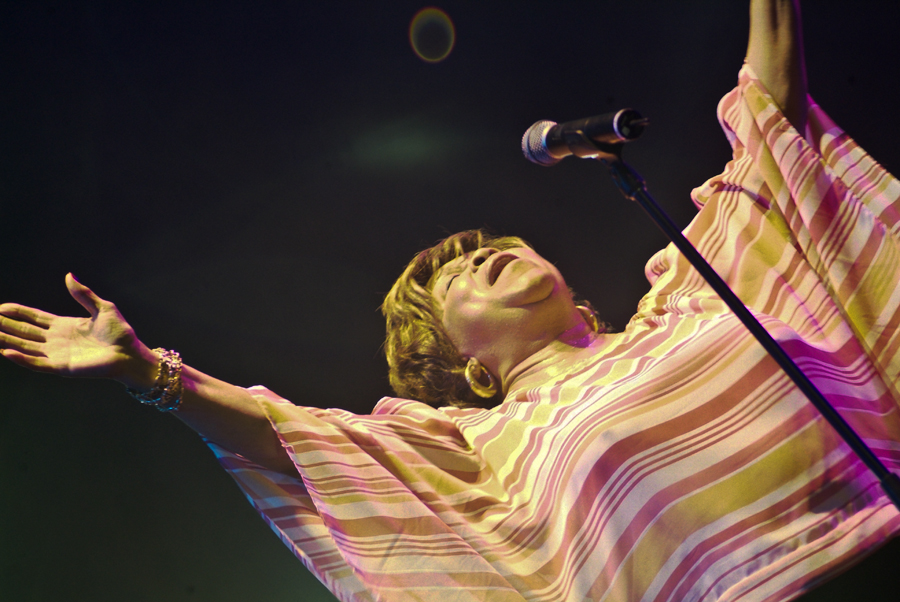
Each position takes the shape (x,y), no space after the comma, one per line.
(534,144)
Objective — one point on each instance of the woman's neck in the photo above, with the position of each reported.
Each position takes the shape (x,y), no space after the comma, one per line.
(555,358)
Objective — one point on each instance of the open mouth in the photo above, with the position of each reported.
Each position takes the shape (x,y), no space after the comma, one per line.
(500,262)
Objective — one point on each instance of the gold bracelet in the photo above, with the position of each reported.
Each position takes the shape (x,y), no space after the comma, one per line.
(165,395)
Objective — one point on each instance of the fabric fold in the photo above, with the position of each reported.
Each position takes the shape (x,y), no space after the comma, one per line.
(670,462)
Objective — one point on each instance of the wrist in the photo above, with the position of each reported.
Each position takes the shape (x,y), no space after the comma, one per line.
(139,369)
(165,395)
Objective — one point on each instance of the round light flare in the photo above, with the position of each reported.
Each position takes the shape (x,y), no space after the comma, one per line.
(431,34)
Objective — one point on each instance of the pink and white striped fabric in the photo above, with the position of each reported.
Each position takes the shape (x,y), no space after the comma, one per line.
(670,462)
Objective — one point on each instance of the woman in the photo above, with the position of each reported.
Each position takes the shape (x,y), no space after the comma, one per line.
(672,461)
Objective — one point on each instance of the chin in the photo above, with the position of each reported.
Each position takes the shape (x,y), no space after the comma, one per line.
(534,288)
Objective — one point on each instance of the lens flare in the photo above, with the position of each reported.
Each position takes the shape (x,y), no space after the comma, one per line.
(431,34)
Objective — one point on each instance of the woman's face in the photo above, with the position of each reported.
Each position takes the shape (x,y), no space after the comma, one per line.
(492,298)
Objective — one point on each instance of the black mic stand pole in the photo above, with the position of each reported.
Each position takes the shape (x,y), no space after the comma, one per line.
(630,184)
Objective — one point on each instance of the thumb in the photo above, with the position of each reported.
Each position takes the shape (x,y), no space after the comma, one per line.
(85,296)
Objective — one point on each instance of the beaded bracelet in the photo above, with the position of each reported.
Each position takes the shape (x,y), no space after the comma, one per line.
(165,395)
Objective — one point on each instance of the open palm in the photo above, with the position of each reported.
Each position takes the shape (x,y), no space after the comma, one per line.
(94,346)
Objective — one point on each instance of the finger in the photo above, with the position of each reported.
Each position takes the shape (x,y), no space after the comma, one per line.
(27,314)
(87,298)
(22,330)
(21,345)
(39,364)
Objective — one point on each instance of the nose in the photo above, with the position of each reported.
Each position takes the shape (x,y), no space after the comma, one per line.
(477,258)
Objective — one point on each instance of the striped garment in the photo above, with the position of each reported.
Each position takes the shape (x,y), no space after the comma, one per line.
(673,461)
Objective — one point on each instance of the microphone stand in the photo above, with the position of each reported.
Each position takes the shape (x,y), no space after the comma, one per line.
(632,186)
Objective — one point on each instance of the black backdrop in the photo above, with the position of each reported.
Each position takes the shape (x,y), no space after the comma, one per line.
(246,179)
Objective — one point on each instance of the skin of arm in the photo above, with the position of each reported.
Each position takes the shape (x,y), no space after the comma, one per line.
(105,346)
(775,53)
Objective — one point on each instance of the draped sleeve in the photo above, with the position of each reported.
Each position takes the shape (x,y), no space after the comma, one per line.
(805,215)
(374,512)
(670,462)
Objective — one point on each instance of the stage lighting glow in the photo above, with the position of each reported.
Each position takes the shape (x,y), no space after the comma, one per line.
(431,34)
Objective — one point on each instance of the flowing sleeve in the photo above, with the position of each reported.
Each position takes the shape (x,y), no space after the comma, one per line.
(804,228)
(375,514)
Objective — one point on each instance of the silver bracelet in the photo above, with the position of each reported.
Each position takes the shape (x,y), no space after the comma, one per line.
(165,395)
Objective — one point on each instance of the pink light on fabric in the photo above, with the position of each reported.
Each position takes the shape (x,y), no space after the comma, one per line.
(672,461)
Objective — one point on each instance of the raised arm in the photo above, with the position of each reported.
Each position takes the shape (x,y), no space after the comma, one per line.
(105,346)
(775,53)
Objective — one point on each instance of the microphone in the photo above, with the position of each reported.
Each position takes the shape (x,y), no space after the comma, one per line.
(547,142)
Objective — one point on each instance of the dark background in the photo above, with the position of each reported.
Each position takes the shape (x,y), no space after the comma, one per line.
(246,179)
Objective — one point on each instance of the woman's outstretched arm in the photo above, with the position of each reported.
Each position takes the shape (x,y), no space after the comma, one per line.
(105,346)
(775,53)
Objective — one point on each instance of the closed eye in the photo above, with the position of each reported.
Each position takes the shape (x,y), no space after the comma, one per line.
(450,280)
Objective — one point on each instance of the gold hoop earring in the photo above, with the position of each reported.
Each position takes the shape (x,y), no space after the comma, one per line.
(472,376)
(589,317)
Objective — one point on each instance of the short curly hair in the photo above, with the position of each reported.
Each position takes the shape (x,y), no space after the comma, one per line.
(423,363)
